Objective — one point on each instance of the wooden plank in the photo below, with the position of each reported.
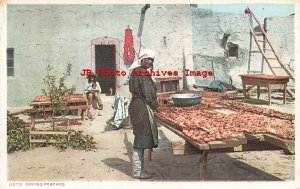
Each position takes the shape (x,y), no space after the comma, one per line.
(259,137)
(242,139)
(40,103)
(255,145)
(48,103)
(177,148)
(238,148)
(288,145)
(203,165)
(58,120)
(217,144)
(42,141)
(48,133)
(228,143)
(221,150)
(179,133)
(186,148)
(82,107)
(150,154)
(232,142)
(291,93)
(277,86)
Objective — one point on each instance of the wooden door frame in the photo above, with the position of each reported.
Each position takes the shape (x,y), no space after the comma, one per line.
(105,41)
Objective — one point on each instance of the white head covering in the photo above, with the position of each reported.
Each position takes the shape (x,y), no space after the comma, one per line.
(146,53)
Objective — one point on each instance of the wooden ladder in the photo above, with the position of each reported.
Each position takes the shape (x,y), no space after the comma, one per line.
(267,52)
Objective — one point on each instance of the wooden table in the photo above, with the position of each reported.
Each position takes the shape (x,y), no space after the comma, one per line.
(168,81)
(215,102)
(72,100)
(193,147)
(249,142)
(41,104)
(263,80)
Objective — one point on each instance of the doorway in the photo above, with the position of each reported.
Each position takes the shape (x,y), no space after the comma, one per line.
(105,58)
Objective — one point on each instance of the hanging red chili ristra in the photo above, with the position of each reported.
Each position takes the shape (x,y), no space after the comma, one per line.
(128,47)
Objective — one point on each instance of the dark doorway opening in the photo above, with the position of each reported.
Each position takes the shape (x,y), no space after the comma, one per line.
(105,56)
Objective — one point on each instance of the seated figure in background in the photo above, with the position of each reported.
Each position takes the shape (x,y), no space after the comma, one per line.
(92,89)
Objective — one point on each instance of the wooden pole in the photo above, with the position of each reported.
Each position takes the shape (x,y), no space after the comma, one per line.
(203,165)
(150,154)
(142,19)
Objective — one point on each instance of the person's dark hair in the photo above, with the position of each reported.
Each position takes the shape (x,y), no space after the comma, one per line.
(90,78)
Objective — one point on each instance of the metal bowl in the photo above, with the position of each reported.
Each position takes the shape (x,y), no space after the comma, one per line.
(186,99)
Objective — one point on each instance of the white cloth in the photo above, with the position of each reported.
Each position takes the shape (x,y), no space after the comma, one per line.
(88,86)
(137,161)
(120,106)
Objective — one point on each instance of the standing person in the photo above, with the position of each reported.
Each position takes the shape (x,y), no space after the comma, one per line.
(141,111)
(92,89)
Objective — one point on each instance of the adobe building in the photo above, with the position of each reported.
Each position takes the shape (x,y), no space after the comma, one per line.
(92,36)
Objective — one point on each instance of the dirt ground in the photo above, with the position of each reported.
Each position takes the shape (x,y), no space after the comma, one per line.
(112,159)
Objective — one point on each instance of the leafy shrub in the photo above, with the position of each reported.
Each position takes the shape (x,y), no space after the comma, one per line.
(17,134)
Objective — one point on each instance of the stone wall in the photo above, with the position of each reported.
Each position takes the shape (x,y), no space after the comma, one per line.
(208,32)
(208,54)
(61,34)
(282,35)
(182,37)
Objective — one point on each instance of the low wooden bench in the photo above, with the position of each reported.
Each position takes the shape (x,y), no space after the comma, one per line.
(36,133)
(81,112)
(50,133)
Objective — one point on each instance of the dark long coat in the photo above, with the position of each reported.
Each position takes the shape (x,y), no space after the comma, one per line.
(143,91)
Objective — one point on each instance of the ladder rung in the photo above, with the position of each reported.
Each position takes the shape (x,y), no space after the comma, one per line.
(276,67)
(265,41)
(254,51)
(253,71)
(258,33)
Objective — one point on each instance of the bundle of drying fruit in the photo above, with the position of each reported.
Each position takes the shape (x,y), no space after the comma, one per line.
(69,98)
(219,119)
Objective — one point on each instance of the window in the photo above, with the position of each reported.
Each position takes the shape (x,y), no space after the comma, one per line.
(10,62)
(233,50)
